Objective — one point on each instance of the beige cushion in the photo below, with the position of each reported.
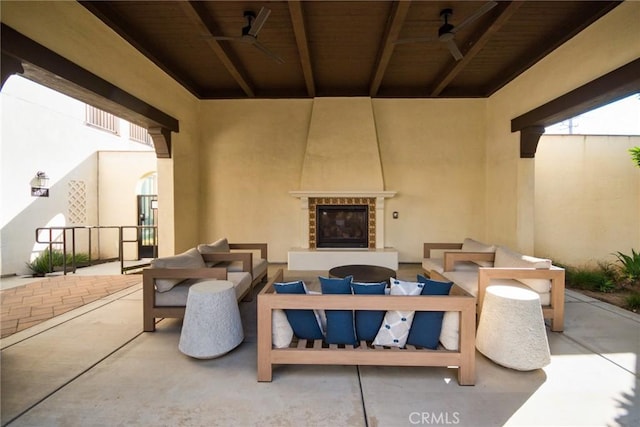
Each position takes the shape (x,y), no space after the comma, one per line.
(437,265)
(259,266)
(468,281)
(220,245)
(188,259)
(241,281)
(506,258)
(470,245)
(177,297)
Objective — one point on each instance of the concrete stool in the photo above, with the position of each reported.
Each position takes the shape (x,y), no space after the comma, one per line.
(511,330)
(212,324)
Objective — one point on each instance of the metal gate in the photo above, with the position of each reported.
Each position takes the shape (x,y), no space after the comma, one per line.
(147,219)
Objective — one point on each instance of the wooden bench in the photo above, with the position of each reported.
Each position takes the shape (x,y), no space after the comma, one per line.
(316,352)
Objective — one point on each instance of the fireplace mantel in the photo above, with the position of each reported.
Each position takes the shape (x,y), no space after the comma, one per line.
(359,193)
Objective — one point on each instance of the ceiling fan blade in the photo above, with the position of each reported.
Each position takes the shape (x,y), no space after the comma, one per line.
(478,13)
(453,48)
(416,40)
(267,52)
(257,23)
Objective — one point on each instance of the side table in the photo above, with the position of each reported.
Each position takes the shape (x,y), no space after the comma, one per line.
(511,329)
(212,324)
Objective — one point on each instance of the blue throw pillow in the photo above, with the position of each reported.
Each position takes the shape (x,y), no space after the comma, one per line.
(340,329)
(368,321)
(304,323)
(427,325)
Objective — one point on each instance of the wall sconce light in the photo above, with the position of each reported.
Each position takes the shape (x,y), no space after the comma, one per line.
(41,180)
(40,185)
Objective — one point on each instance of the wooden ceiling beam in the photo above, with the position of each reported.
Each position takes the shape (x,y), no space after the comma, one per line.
(615,85)
(300,32)
(482,36)
(394,25)
(40,64)
(202,21)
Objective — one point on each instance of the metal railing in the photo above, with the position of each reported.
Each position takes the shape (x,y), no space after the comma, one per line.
(66,236)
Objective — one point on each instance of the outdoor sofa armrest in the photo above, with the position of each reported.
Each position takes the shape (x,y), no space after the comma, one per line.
(149,276)
(428,247)
(450,258)
(555,274)
(245,257)
(262,247)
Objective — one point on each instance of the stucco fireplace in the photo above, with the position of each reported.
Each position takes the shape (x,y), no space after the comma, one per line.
(341,172)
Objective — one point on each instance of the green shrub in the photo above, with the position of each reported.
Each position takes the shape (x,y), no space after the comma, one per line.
(630,264)
(635,155)
(633,302)
(41,265)
(592,279)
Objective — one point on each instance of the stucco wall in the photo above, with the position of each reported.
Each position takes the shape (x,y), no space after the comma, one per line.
(253,155)
(70,30)
(587,198)
(609,43)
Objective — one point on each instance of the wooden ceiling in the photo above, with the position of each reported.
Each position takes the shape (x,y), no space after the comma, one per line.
(345,48)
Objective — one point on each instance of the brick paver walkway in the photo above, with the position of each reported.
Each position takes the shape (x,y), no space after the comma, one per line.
(27,305)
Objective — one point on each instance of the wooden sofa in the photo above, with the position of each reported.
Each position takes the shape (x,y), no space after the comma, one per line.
(317,352)
(153,310)
(455,264)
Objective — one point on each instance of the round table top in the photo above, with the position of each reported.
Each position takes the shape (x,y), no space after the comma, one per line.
(364,273)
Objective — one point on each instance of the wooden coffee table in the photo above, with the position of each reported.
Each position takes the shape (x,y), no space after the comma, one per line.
(363,273)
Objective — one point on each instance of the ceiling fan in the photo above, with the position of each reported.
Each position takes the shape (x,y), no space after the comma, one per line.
(250,32)
(447,31)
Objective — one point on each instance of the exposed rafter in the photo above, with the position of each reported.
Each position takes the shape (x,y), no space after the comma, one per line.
(299,30)
(394,25)
(345,48)
(482,36)
(200,19)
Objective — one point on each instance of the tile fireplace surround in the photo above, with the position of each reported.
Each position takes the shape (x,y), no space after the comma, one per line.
(308,257)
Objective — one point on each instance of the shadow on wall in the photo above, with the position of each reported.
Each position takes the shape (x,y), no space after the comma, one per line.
(72,201)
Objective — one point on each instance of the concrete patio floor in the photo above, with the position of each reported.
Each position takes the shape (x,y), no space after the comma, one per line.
(93,366)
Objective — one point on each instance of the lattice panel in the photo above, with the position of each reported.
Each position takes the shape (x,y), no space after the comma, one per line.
(315,201)
(77,202)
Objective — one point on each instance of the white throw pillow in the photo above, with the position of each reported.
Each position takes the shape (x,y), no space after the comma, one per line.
(188,259)
(506,258)
(282,334)
(395,327)
(450,333)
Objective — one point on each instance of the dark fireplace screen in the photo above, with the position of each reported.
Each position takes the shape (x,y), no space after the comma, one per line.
(341,226)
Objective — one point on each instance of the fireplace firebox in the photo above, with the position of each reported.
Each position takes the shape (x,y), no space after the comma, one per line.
(342,226)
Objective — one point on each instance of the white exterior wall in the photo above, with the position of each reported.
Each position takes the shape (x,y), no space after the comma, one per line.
(43,130)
